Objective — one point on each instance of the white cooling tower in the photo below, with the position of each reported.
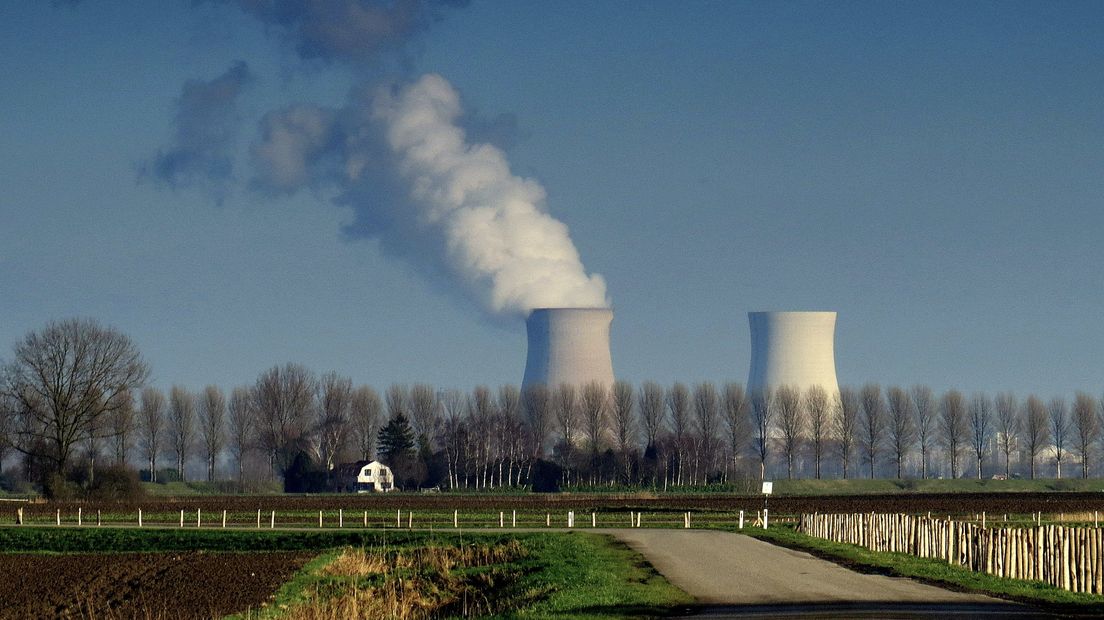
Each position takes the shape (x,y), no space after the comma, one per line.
(793,349)
(568,345)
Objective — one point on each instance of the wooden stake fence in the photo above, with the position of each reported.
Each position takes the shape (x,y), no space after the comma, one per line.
(1071,558)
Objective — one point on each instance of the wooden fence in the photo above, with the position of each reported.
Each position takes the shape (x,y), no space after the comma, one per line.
(1071,558)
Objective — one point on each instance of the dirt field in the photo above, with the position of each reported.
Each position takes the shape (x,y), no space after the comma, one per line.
(159,586)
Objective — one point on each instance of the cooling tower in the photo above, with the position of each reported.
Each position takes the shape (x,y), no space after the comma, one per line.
(793,348)
(568,345)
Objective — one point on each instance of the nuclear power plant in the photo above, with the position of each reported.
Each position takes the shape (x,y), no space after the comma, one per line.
(793,349)
(568,345)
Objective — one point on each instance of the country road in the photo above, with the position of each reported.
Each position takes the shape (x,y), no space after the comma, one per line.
(732,575)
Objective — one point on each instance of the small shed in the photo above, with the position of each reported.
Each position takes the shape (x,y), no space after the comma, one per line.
(374,476)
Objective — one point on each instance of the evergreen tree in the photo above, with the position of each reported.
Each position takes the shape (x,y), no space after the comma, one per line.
(396,440)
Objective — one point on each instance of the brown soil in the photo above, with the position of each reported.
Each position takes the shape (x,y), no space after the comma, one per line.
(141,585)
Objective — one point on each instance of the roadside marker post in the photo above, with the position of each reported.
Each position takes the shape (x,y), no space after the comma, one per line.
(59,516)
(272,523)
(741,519)
(455,519)
(181,517)
(139,517)
(340,518)
(513,520)
(224,518)
(199,517)
(80,517)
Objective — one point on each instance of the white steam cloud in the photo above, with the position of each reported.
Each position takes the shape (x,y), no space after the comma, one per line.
(498,239)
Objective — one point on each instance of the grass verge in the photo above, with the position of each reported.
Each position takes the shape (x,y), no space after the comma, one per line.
(1034,593)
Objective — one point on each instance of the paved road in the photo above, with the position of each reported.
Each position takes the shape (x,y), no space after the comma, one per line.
(732,575)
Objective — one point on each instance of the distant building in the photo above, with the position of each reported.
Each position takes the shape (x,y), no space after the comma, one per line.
(366,477)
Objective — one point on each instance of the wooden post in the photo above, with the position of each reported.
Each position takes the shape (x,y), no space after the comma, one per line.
(410,519)
(80,515)
(398,518)
(548,519)
(365,518)
(513,519)
(340,517)
(638,515)
(224,518)
(98,521)
(181,517)
(319,519)
(139,517)
(59,516)
(19,516)
(272,521)
(258,518)
(501,517)
(199,517)
(593,519)
(455,518)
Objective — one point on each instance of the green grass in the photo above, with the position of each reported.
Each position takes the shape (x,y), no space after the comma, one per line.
(934,571)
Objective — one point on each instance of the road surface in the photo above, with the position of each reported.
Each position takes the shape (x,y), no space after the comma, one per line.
(732,575)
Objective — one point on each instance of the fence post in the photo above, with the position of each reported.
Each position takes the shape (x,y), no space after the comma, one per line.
(365,518)
(80,515)
(455,518)
(224,517)
(258,518)
(139,517)
(398,518)
(59,516)
(410,520)
(593,519)
(340,518)
(319,519)
(181,517)
(513,519)
(98,521)
(19,516)
(501,516)
(638,515)
(548,519)
(199,517)
(272,521)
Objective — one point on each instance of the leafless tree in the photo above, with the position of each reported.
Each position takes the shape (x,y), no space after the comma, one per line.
(537,404)
(707,416)
(902,427)
(762,420)
(847,425)
(1086,428)
(283,399)
(181,426)
(334,410)
(509,433)
(652,411)
(924,414)
(151,424)
(981,422)
(212,426)
(1036,428)
(397,398)
(872,423)
(65,381)
(624,416)
(365,408)
(7,426)
(454,434)
(678,403)
(818,407)
(243,426)
(595,409)
(1059,430)
(565,405)
(736,420)
(122,429)
(953,426)
(482,415)
(1008,428)
(791,422)
(425,411)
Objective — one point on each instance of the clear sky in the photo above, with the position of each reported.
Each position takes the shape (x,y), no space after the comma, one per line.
(932,171)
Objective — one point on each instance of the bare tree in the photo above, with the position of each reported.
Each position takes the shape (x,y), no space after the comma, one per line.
(624,416)
(283,399)
(652,410)
(1008,428)
(212,426)
(953,426)
(242,429)
(425,411)
(678,403)
(64,381)
(736,420)
(122,428)
(791,422)
(981,422)
(334,410)
(151,423)
(454,434)
(902,426)
(1086,428)
(509,431)
(818,408)
(365,408)
(1059,430)
(847,425)
(762,420)
(565,405)
(181,426)
(482,416)
(537,404)
(397,398)
(1036,429)
(872,423)
(923,415)
(595,409)
(707,416)
(7,426)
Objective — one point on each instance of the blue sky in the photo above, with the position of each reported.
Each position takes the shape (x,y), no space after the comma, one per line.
(932,171)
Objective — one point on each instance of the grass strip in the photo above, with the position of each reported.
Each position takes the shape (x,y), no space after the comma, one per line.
(932,571)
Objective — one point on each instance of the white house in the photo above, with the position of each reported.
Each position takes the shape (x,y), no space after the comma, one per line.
(374,476)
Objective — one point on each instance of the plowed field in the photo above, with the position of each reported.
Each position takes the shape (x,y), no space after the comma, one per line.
(140,585)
